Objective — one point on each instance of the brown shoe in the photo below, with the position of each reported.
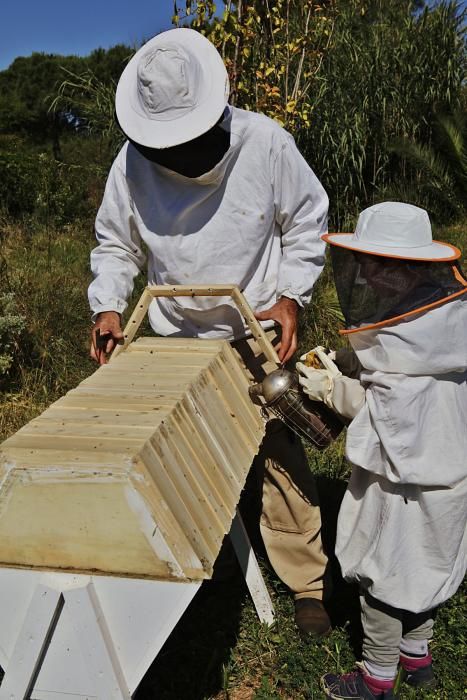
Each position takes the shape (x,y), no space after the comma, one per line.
(311,618)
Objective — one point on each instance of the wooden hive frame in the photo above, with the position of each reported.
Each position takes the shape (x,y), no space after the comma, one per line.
(155,502)
(208,290)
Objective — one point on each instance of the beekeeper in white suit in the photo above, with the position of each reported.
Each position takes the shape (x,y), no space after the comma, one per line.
(205,193)
(402,524)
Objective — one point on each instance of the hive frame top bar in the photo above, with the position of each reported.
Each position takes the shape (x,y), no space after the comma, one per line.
(206,290)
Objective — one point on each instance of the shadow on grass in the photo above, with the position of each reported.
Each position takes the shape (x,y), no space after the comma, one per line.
(192,663)
(343,604)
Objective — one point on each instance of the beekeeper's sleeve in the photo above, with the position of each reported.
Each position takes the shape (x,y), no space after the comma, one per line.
(347,396)
(118,257)
(301,205)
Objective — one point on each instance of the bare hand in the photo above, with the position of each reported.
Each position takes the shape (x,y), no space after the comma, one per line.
(285,312)
(106,333)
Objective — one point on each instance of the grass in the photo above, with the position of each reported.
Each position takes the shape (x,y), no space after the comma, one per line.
(219,650)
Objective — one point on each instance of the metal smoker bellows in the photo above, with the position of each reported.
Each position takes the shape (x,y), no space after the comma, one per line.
(281,394)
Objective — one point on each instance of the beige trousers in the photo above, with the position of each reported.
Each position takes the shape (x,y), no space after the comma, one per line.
(290,521)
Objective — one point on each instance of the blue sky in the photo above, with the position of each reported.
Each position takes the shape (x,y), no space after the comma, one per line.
(58,26)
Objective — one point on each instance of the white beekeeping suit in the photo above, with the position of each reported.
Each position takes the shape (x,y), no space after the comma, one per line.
(402,524)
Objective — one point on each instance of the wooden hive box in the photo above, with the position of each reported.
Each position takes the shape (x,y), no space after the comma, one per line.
(137,472)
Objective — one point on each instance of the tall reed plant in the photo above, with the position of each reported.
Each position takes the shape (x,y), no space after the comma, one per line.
(387,71)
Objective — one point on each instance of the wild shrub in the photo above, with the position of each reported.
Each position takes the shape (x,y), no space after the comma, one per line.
(18,183)
(34,184)
(12,324)
(45,273)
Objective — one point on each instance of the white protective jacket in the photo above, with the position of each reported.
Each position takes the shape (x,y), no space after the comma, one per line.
(254,220)
(402,524)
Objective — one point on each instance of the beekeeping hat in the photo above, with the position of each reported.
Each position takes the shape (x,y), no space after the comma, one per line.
(174,89)
(390,268)
(396,230)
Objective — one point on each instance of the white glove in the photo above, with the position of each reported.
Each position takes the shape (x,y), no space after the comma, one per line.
(317,383)
(317,358)
(342,394)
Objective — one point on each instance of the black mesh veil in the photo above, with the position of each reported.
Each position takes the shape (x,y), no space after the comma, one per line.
(373,288)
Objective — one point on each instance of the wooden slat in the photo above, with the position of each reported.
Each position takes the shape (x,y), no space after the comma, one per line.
(90,402)
(133,324)
(152,360)
(123,394)
(89,428)
(210,493)
(189,290)
(23,458)
(169,343)
(169,526)
(129,381)
(154,465)
(252,429)
(209,405)
(255,327)
(79,443)
(105,416)
(207,456)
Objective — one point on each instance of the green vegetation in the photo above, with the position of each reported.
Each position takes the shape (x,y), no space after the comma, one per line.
(239,659)
(442,165)
(350,78)
(374,93)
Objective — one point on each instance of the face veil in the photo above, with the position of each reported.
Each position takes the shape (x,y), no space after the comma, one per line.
(376,290)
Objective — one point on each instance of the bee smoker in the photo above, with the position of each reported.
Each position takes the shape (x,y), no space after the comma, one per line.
(281,394)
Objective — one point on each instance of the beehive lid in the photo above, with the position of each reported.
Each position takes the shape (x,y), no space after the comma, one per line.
(137,471)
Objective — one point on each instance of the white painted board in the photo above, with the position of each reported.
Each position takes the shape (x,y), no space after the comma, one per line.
(139,616)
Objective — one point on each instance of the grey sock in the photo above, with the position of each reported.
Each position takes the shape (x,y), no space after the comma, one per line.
(414,647)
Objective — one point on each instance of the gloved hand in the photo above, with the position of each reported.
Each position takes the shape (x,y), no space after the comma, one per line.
(318,383)
(342,394)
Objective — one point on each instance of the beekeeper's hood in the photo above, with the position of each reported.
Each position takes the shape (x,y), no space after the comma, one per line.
(390,268)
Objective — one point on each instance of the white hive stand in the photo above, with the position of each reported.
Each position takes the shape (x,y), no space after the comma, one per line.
(68,634)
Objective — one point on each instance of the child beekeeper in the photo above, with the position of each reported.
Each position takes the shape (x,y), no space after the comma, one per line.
(402,524)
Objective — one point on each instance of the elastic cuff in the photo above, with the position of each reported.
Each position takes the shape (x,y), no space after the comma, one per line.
(291,295)
(95,314)
(413,663)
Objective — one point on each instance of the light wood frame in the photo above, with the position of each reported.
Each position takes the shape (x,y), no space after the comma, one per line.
(206,290)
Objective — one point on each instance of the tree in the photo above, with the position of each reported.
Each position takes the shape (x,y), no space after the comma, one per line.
(272,50)
(24,91)
(387,72)
(439,167)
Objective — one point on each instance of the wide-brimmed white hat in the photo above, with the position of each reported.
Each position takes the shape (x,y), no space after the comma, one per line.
(396,230)
(174,89)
